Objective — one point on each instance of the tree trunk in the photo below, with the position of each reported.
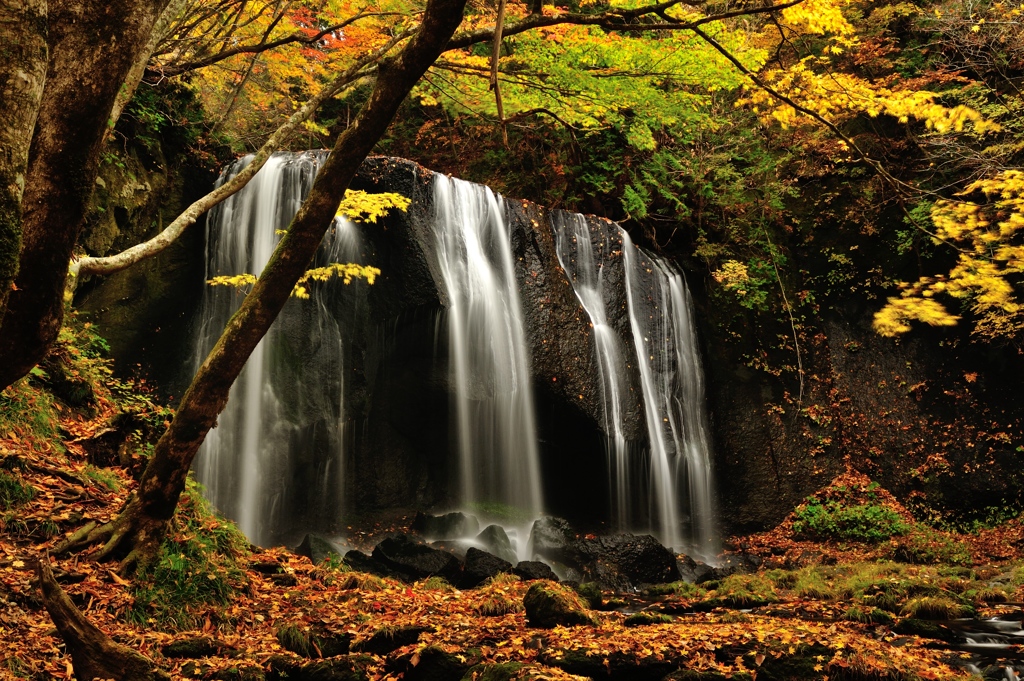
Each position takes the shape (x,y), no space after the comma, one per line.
(22,75)
(92,47)
(93,654)
(136,533)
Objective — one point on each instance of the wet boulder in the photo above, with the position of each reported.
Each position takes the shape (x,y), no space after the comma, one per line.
(551,537)
(413,560)
(481,566)
(549,605)
(495,540)
(448,526)
(317,548)
(529,570)
(694,571)
(622,562)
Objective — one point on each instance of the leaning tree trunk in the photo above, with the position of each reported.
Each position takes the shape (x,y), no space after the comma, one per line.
(94,655)
(22,75)
(92,47)
(137,531)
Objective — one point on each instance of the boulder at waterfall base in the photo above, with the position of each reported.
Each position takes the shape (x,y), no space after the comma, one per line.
(415,560)
(456,525)
(549,605)
(481,566)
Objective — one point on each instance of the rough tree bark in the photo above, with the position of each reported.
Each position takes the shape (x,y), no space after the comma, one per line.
(22,75)
(138,530)
(92,47)
(94,655)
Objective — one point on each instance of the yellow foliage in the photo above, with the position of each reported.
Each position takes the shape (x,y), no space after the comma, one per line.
(360,206)
(733,275)
(346,271)
(834,95)
(988,237)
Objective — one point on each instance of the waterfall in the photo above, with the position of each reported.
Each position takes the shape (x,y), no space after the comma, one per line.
(586,269)
(675,471)
(274,461)
(660,316)
(490,367)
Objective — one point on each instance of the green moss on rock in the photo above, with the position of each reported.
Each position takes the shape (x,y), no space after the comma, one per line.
(549,605)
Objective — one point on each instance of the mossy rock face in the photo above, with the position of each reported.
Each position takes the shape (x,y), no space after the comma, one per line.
(314,641)
(494,672)
(549,605)
(591,593)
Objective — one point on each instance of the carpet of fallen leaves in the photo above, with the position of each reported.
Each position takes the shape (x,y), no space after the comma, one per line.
(781,547)
(316,596)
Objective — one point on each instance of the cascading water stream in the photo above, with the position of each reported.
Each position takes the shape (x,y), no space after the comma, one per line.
(585,269)
(276,453)
(675,471)
(660,314)
(490,367)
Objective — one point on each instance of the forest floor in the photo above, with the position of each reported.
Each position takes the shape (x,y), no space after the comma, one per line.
(214,607)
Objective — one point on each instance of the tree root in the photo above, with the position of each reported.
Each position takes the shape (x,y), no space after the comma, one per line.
(126,538)
(94,655)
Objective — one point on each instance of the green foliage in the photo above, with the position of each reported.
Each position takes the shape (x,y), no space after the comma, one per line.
(835,520)
(27,411)
(927,546)
(196,568)
(14,491)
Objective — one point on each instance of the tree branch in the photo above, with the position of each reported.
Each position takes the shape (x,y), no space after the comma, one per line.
(262,46)
(613,20)
(123,260)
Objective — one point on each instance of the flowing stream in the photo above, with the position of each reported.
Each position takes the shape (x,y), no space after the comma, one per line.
(275,458)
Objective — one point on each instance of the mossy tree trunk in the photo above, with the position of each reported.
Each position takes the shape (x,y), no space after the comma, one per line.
(136,533)
(92,46)
(23,56)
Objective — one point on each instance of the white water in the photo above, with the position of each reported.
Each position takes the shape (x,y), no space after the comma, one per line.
(660,315)
(586,272)
(496,432)
(673,478)
(277,451)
